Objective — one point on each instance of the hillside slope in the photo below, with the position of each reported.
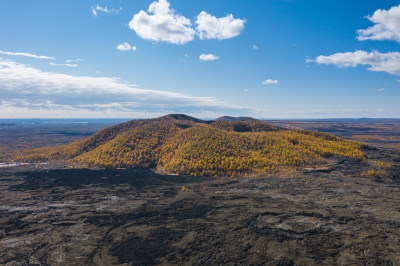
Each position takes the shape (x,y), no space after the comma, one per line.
(185,145)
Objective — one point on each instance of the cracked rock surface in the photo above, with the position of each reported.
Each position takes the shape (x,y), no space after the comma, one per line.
(54,216)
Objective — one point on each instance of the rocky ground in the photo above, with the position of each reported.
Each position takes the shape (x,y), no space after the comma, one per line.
(331,215)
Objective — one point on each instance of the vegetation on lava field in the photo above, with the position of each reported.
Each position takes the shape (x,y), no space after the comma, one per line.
(187,146)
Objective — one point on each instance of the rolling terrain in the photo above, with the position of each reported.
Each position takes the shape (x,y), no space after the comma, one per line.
(184,145)
(334,209)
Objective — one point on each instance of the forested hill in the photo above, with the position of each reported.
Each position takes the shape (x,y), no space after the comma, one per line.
(185,145)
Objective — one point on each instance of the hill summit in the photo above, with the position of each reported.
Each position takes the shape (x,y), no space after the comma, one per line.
(231,118)
(180,117)
(185,145)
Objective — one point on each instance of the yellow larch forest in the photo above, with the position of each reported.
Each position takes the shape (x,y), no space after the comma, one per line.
(184,145)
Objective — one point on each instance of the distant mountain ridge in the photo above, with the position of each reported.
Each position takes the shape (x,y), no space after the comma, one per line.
(232,119)
(185,145)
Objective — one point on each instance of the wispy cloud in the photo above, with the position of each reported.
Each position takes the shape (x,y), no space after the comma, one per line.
(387,62)
(387,26)
(269,81)
(324,113)
(161,23)
(381,89)
(28,55)
(126,47)
(208,57)
(255,47)
(68,64)
(98,8)
(78,60)
(25,88)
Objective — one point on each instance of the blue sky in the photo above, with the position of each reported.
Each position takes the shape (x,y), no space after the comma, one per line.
(140,59)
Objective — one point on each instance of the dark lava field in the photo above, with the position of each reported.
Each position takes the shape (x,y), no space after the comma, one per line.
(330,216)
(335,215)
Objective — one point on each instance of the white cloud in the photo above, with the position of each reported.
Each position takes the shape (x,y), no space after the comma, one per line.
(269,81)
(28,90)
(386,62)
(387,26)
(208,57)
(324,113)
(398,80)
(28,55)
(160,7)
(126,47)
(381,89)
(78,60)
(210,27)
(246,90)
(98,8)
(255,47)
(162,25)
(186,55)
(68,64)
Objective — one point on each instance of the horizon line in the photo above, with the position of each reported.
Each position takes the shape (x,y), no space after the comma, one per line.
(130,118)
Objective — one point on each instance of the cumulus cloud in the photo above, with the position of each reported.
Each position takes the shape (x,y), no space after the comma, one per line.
(210,27)
(28,55)
(161,23)
(269,81)
(126,47)
(386,62)
(28,90)
(98,8)
(387,26)
(208,57)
